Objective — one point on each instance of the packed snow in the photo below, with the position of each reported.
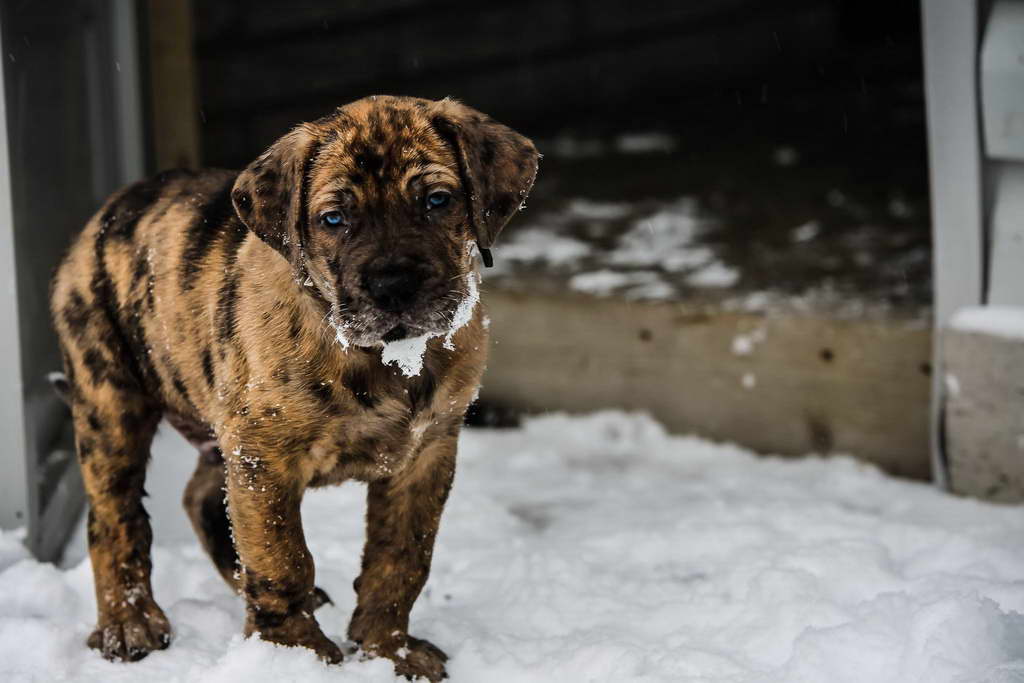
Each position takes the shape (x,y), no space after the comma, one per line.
(407,354)
(998,321)
(659,239)
(598,548)
(536,244)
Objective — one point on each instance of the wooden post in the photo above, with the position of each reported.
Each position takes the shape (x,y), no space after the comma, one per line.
(173,91)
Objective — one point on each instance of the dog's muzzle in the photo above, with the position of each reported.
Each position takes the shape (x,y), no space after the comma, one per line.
(395,285)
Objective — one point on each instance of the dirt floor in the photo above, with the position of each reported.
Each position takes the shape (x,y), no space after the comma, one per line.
(824,200)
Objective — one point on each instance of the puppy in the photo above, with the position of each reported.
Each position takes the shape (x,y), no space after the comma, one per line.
(307,321)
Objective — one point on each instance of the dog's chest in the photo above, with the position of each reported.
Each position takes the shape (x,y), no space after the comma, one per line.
(381,440)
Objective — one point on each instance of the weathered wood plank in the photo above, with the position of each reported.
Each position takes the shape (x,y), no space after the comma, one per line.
(792,385)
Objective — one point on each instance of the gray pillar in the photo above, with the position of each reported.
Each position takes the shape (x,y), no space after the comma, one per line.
(954,146)
(71,134)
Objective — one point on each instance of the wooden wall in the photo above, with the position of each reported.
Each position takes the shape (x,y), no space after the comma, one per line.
(544,66)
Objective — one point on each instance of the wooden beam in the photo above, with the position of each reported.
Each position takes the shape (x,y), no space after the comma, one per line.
(173,92)
(788,384)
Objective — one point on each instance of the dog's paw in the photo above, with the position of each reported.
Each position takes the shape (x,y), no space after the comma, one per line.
(414,658)
(131,634)
(300,631)
(325,648)
(423,659)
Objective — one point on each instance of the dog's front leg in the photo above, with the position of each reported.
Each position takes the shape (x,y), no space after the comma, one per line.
(277,568)
(403,513)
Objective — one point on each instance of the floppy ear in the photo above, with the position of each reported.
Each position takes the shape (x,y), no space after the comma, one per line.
(497,165)
(269,195)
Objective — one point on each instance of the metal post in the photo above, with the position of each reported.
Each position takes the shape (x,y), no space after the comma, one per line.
(954,146)
(15,484)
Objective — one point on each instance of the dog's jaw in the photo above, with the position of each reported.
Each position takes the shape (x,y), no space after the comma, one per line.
(404,345)
(368,326)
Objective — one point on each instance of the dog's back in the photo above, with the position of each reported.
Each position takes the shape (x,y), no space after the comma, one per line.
(135,285)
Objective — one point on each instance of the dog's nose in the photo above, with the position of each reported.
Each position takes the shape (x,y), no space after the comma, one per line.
(393,286)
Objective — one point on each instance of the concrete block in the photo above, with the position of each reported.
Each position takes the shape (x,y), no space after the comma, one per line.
(983,358)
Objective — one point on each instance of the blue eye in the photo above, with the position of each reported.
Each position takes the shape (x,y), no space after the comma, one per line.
(332,218)
(438,199)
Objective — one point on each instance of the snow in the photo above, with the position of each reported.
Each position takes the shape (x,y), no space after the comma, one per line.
(659,241)
(785,156)
(806,232)
(464,311)
(645,143)
(407,354)
(743,344)
(568,147)
(339,328)
(639,142)
(536,244)
(652,245)
(998,321)
(598,548)
(636,284)
(952,384)
(589,209)
(664,238)
(714,274)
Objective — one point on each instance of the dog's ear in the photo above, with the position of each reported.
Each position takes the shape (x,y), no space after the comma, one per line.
(269,194)
(497,167)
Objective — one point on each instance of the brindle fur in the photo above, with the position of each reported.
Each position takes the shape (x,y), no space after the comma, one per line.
(205,298)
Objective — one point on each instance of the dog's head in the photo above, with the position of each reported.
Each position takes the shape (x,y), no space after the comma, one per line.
(379,204)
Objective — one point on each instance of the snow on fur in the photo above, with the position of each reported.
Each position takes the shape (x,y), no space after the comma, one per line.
(407,354)
(598,548)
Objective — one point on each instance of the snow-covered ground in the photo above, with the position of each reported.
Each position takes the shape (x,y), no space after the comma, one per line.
(598,548)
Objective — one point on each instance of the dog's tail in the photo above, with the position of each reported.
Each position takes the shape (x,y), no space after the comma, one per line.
(59,381)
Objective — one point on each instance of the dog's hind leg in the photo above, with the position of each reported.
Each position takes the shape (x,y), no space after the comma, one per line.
(204,504)
(114,426)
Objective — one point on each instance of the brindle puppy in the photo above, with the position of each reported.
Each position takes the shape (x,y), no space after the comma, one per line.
(250,310)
